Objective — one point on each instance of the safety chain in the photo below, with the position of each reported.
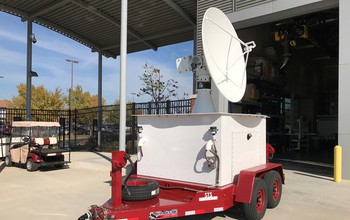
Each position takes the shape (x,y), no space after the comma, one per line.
(97,210)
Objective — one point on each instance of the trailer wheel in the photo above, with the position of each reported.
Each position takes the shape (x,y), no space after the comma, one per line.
(274,188)
(8,161)
(255,210)
(30,165)
(140,189)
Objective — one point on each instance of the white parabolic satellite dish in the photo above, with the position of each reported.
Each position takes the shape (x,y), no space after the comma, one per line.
(223,54)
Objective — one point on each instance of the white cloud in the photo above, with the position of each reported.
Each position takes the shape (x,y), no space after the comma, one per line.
(15,37)
(12,57)
(65,48)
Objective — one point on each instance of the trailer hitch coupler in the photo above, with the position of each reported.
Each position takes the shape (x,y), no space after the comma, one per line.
(118,159)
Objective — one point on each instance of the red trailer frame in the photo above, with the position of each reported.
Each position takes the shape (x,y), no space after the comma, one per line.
(177,198)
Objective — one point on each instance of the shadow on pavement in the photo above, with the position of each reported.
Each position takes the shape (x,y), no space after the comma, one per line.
(314,176)
(103,156)
(2,167)
(52,168)
(311,169)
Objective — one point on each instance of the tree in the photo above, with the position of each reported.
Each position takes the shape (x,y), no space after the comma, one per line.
(81,99)
(94,101)
(111,113)
(41,98)
(155,86)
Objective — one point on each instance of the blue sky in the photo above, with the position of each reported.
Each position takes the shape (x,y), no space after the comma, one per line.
(52,49)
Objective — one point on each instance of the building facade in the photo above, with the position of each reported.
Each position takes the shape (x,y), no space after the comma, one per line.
(320,100)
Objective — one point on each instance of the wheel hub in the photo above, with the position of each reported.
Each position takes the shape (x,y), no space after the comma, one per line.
(260,201)
(275,193)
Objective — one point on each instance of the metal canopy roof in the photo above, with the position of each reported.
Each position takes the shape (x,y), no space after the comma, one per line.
(96,23)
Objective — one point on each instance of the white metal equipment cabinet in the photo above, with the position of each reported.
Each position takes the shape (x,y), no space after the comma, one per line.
(174,146)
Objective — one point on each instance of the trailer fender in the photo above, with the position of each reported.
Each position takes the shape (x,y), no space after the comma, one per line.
(244,189)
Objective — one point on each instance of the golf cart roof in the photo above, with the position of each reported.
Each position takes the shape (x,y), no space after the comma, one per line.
(35,124)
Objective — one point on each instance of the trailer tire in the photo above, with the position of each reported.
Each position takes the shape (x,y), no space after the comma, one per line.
(255,210)
(140,189)
(274,188)
(8,161)
(31,165)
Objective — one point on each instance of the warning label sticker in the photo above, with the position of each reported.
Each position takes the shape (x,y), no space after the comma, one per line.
(163,214)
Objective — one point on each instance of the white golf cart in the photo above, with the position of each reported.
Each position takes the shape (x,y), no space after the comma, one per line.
(35,144)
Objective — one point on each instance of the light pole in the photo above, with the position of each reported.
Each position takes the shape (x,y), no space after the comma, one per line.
(133,95)
(71,81)
(30,41)
(70,93)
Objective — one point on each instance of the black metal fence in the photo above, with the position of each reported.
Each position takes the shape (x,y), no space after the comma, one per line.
(12,114)
(79,126)
(167,107)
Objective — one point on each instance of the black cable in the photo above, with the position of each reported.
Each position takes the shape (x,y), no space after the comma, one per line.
(218,165)
(83,217)
(214,152)
(127,156)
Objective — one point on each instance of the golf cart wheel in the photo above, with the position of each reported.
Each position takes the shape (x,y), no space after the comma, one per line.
(274,188)
(255,210)
(31,166)
(8,161)
(59,166)
(140,189)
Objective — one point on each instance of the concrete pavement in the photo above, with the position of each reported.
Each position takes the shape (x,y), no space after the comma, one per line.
(60,194)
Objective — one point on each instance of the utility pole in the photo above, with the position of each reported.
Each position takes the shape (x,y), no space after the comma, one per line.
(70,94)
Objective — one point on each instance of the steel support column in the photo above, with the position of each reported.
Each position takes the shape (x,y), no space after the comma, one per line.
(99,117)
(123,52)
(29,69)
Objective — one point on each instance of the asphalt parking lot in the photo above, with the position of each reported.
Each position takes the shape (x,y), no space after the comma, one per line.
(52,194)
